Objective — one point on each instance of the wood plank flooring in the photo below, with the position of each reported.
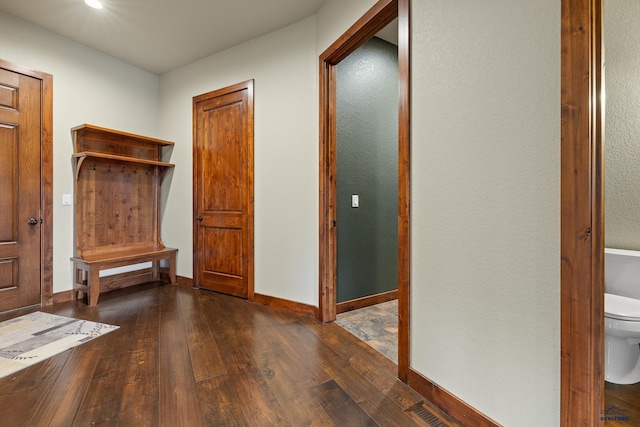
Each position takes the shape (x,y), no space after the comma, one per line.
(187,357)
(621,405)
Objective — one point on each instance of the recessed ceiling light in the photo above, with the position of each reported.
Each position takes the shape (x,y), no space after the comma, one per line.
(94,4)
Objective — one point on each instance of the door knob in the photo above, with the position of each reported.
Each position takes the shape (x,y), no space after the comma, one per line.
(32,221)
(199,218)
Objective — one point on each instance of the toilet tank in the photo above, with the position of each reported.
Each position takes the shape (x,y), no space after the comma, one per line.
(622,272)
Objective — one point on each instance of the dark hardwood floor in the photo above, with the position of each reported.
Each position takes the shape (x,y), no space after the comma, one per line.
(187,357)
(621,405)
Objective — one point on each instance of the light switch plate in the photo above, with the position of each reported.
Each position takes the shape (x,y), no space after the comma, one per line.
(66,200)
(355,201)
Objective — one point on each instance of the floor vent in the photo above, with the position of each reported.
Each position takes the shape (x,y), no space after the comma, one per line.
(432,419)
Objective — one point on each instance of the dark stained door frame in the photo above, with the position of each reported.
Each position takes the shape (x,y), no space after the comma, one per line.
(46,178)
(380,15)
(582,219)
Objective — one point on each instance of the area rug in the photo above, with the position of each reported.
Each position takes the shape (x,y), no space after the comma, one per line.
(29,339)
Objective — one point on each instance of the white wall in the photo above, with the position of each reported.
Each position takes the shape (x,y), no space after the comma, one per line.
(485,204)
(284,67)
(88,87)
(622,138)
(336,16)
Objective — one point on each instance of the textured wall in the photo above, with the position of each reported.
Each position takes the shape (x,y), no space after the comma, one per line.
(622,128)
(367,144)
(485,281)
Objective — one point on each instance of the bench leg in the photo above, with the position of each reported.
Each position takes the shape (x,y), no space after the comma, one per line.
(77,294)
(93,284)
(172,269)
(155,270)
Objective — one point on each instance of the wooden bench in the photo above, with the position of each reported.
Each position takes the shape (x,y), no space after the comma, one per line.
(117,209)
(87,272)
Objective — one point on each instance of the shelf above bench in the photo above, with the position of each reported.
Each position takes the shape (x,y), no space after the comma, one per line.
(101,157)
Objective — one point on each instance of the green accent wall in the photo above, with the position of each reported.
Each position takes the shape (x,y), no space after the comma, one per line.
(367,152)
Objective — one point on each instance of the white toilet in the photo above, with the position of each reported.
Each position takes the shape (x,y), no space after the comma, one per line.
(622,316)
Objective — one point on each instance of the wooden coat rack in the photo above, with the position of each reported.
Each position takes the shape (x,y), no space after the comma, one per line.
(117,215)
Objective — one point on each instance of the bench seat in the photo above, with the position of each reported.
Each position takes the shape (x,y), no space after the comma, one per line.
(92,265)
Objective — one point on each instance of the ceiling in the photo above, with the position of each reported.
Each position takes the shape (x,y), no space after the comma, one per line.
(161,35)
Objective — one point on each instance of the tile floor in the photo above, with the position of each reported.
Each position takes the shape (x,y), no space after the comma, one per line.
(376,325)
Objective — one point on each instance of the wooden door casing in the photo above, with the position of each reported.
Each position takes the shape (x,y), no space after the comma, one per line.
(21,188)
(223,190)
(380,15)
(582,214)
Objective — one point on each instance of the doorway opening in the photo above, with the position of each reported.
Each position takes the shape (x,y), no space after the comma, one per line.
(367,175)
(378,17)
(622,199)
(367,192)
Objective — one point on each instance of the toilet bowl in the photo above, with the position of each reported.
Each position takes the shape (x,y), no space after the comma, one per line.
(621,339)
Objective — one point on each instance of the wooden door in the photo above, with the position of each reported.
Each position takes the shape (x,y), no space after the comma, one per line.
(20,181)
(223,190)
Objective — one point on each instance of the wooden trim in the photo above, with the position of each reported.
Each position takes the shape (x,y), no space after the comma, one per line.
(367,301)
(64,296)
(283,304)
(447,402)
(194,192)
(328,239)
(46,179)
(47,190)
(184,281)
(582,236)
(376,18)
(404,188)
(250,198)
(382,13)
